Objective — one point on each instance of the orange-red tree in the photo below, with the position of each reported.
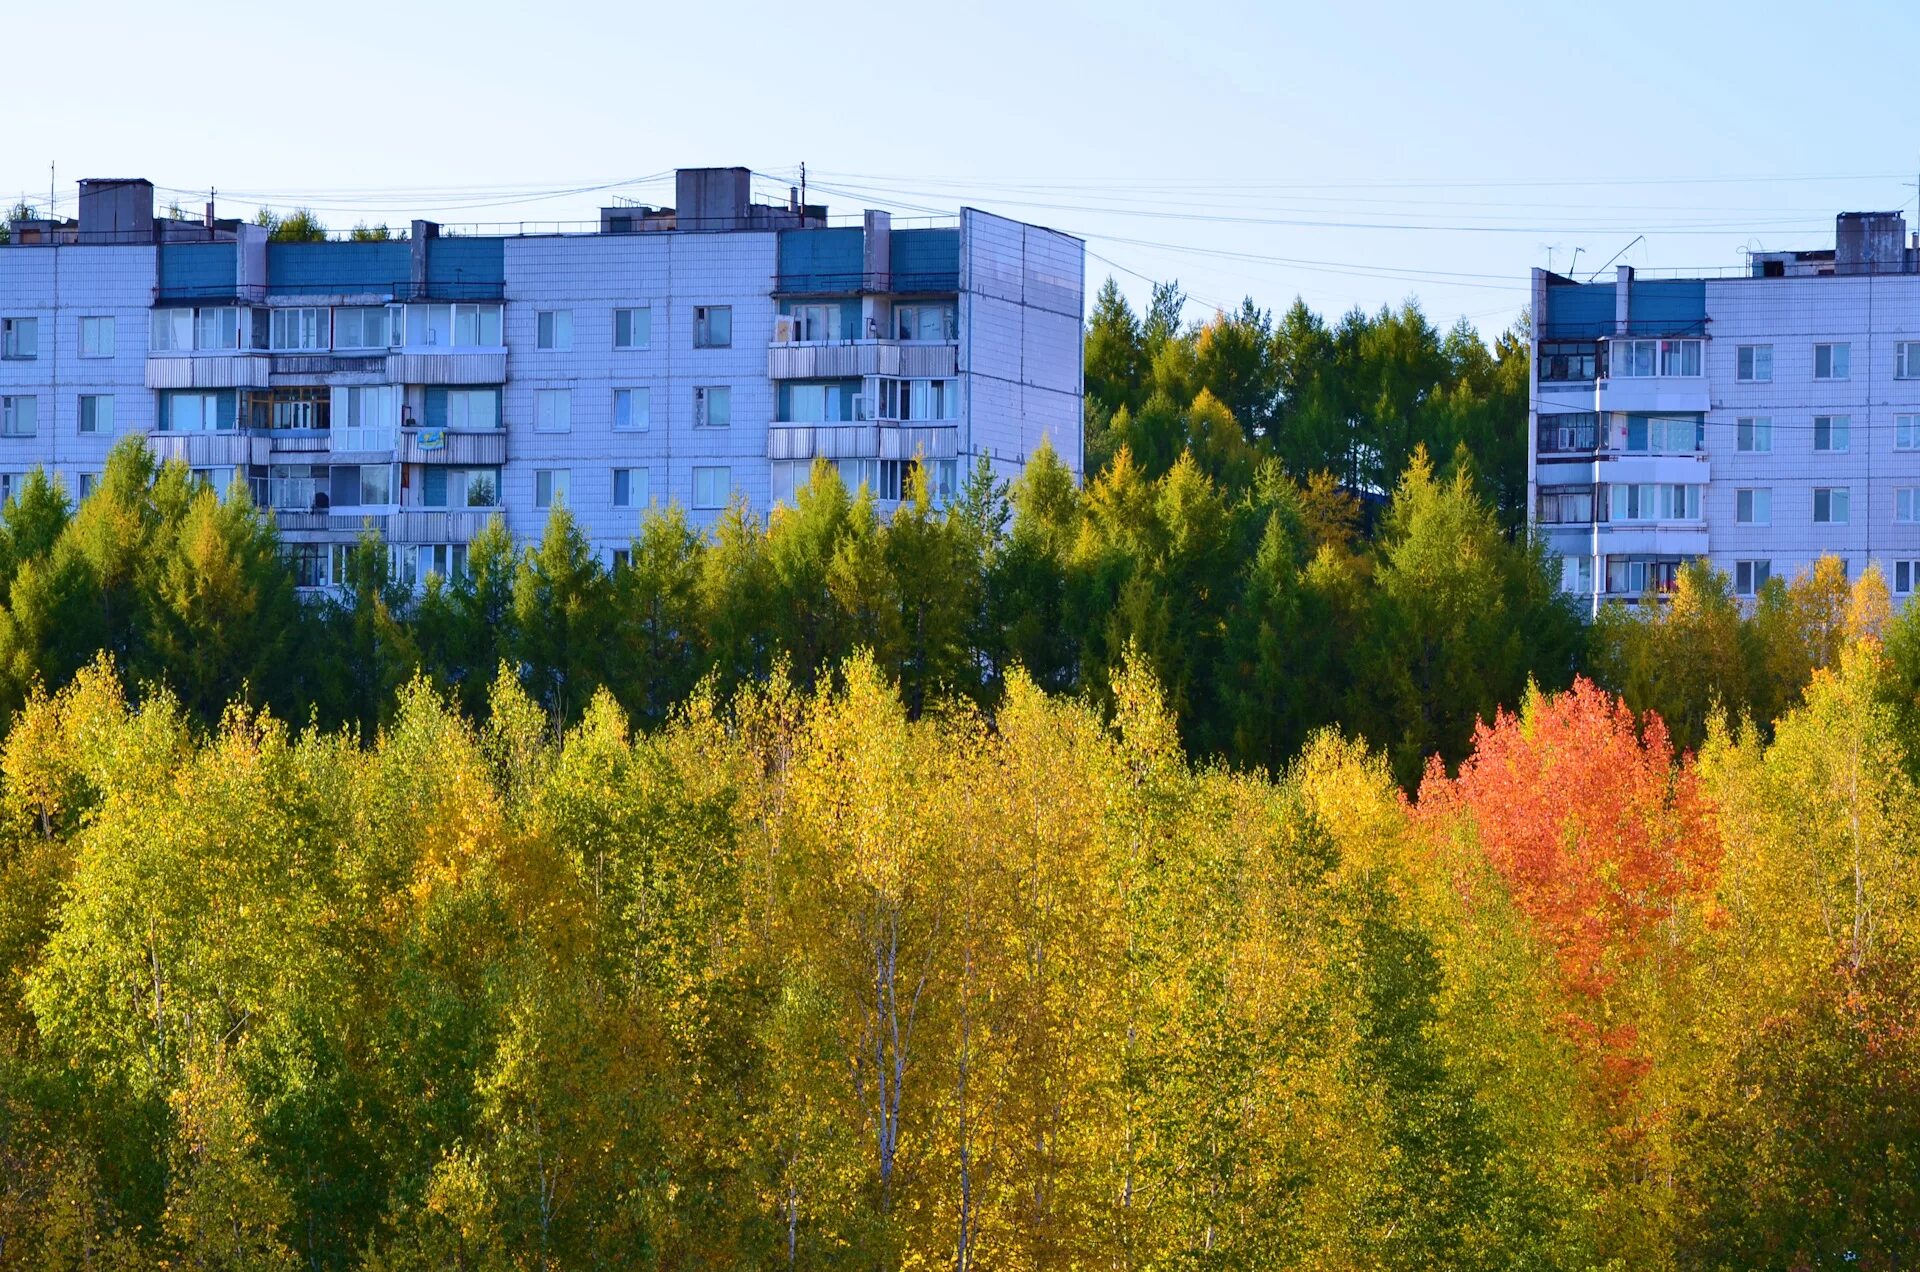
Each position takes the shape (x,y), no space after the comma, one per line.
(1607,846)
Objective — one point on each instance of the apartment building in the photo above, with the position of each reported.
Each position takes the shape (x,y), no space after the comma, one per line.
(694,354)
(1760,419)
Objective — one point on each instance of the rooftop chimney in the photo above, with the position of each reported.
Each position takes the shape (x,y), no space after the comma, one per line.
(116,210)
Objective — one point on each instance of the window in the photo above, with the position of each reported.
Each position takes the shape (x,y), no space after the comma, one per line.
(96,337)
(1568,360)
(923,322)
(302,488)
(1830,504)
(195,412)
(633,328)
(813,403)
(1755,362)
(1906,360)
(448,560)
(553,410)
(1574,431)
(1753,507)
(372,412)
(301,329)
(19,416)
(216,328)
(1905,575)
(916,399)
(376,483)
(713,326)
(1906,505)
(473,408)
(633,409)
(1653,503)
(309,407)
(713,406)
(19,338)
(96,413)
(620,559)
(1830,432)
(309,562)
(1831,361)
(550,486)
(1636,576)
(172,331)
(1660,434)
(10,485)
(88,483)
(629,487)
(1636,358)
(1755,435)
(455,326)
(814,322)
(1576,574)
(365,327)
(459,487)
(1750,576)
(1906,432)
(712,487)
(554,330)
(1566,505)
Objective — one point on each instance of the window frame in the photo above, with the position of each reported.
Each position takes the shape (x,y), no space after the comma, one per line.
(1838,352)
(11,329)
(10,415)
(632,394)
(1749,431)
(1845,503)
(310,326)
(97,323)
(1748,357)
(708,470)
(1756,571)
(1838,427)
(703,334)
(1906,360)
(545,417)
(87,415)
(703,403)
(1759,506)
(557,482)
(629,313)
(553,330)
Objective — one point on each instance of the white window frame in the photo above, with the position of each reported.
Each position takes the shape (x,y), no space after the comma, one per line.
(300,329)
(1839,430)
(1839,361)
(171,331)
(638,487)
(638,400)
(706,500)
(705,398)
(1753,434)
(553,410)
(95,410)
(98,334)
(1906,505)
(19,339)
(1750,576)
(1906,360)
(1906,432)
(639,323)
(550,484)
(553,330)
(20,415)
(703,324)
(392,320)
(460,409)
(1839,498)
(485,319)
(1747,364)
(1753,506)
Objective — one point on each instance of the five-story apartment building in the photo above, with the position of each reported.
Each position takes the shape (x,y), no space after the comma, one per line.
(422,384)
(1760,420)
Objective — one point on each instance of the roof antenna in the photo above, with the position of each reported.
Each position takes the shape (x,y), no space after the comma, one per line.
(1616,256)
(803,186)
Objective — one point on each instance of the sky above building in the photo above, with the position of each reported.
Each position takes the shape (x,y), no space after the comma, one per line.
(1353,154)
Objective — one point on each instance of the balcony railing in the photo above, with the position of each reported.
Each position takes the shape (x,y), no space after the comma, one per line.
(829,360)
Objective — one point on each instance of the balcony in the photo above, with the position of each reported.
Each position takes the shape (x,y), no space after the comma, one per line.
(226,449)
(209,371)
(930,440)
(848,359)
(447,366)
(478,447)
(437,525)
(1574,434)
(1653,395)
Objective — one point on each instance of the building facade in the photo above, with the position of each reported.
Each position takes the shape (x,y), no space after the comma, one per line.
(693,355)
(1760,420)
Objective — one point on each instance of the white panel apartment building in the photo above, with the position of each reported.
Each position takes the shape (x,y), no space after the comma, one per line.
(693,354)
(1761,420)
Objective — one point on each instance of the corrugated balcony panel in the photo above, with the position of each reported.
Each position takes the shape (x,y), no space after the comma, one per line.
(927,442)
(209,450)
(305,366)
(484,367)
(367,445)
(428,525)
(210,371)
(304,443)
(482,446)
(851,358)
(790,443)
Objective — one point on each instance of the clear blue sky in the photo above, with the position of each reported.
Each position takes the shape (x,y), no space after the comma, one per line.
(1235,146)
